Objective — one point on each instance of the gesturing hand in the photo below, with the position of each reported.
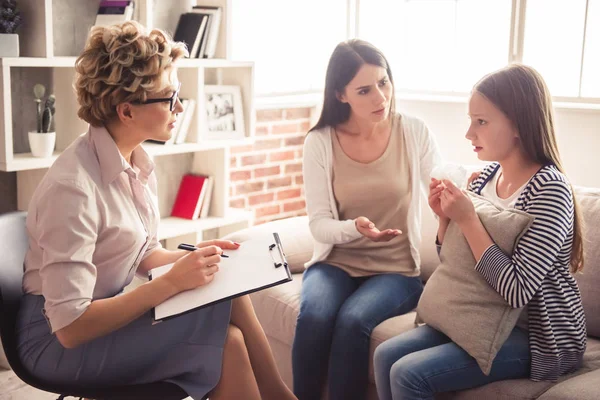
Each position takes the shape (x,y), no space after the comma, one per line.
(368,230)
(195,269)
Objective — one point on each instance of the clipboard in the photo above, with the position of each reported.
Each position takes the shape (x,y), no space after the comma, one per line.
(258,264)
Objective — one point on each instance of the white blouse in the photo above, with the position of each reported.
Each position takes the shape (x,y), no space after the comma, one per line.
(91,221)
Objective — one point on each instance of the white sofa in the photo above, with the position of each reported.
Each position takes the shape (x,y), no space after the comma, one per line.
(277,308)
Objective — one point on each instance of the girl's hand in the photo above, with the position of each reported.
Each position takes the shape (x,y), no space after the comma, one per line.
(195,269)
(368,230)
(455,204)
(435,191)
(223,244)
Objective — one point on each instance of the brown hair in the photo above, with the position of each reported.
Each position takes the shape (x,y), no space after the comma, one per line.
(121,63)
(520,92)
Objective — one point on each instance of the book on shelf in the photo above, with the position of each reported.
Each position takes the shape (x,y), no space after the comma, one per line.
(212,29)
(112,12)
(190,29)
(173,138)
(192,194)
(205,208)
(182,124)
(184,121)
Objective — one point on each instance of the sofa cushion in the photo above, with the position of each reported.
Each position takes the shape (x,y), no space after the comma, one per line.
(589,280)
(513,389)
(295,236)
(277,309)
(458,301)
(583,384)
(591,358)
(582,387)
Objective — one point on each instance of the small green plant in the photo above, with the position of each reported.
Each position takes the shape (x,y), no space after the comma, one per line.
(45,109)
(10,18)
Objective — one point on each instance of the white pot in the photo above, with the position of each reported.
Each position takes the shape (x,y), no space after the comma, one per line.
(42,144)
(9,45)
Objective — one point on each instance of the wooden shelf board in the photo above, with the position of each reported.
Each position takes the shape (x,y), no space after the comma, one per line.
(170,227)
(26,161)
(156,149)
(38,61)
(70,62)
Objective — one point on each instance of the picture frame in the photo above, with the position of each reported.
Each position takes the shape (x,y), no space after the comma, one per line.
(223,112)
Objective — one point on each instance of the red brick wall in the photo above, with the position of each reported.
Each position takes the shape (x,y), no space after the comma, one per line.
(266,177)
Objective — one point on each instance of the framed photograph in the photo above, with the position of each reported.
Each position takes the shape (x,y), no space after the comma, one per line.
(224,112)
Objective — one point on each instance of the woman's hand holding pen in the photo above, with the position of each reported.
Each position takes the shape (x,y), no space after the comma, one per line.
(195,269)
(370,231)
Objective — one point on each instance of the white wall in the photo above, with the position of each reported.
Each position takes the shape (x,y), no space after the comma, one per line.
(578,134)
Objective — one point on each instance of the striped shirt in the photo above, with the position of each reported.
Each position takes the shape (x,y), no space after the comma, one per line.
(538,273)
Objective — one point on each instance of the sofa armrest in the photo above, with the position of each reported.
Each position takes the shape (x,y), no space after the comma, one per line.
(295,236)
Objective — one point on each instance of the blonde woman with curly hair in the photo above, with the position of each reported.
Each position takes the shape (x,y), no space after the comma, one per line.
(92,224)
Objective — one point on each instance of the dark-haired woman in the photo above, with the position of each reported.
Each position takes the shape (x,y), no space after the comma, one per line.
(365,167)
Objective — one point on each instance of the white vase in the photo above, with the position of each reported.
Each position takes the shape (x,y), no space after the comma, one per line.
(9,45)
(42,144)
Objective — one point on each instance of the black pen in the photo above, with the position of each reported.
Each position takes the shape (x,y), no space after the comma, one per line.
(190,247)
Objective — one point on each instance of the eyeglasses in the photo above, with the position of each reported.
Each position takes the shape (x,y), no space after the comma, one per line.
(172,100)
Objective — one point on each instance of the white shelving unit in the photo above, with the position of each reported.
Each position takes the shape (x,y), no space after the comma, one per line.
(197,155)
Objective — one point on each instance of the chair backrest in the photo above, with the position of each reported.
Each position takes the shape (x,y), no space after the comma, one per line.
(13,246)
(589,280)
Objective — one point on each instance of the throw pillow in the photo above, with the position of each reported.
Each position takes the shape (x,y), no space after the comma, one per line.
(458,301)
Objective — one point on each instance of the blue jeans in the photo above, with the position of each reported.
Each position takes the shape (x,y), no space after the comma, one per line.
(424,361)
(337,315)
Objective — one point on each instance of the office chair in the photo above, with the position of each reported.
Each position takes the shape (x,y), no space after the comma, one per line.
(13,246)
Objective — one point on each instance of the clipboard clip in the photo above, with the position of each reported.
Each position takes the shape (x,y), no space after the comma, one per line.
(277,244)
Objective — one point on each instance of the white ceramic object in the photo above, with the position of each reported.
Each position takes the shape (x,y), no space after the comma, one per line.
(42,144)
(9,45)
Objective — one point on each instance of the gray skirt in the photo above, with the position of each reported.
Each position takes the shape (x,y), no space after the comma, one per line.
(186,350)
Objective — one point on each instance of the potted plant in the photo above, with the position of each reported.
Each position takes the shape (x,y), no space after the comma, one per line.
(10,20)
(43,139)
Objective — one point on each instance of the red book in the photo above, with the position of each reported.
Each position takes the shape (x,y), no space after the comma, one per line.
(189,197)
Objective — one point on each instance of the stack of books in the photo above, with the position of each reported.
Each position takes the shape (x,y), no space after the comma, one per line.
(182,124)
(113,12)
(193,197)
(199,30)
